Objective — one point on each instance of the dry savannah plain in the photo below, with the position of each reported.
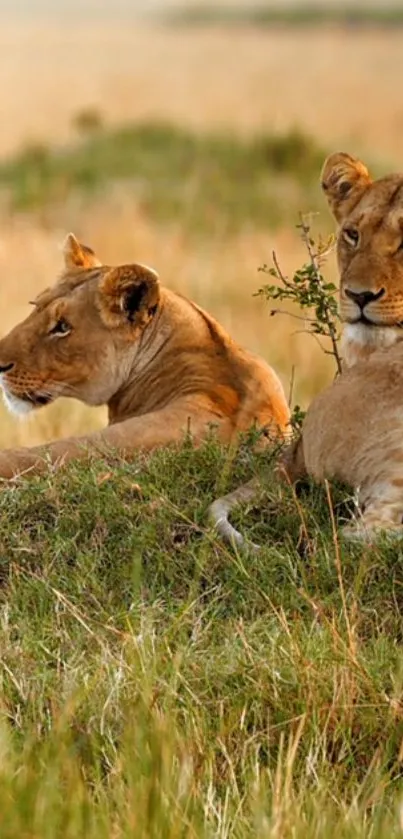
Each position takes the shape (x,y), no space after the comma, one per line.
(155,683)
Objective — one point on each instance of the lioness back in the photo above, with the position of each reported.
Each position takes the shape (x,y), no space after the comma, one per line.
(237,383)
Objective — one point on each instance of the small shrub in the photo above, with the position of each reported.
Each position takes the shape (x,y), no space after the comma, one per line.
(308,291)
(88,121)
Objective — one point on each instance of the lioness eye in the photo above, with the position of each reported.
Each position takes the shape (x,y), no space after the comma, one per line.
(60,328)
(351,236)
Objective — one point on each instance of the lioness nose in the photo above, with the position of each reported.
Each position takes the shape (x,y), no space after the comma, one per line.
(362,298)
(4,368)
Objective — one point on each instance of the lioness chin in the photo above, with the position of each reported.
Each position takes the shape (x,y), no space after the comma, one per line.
(353,430)
(162,365)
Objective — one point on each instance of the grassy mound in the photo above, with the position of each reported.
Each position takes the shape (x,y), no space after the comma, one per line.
(156,684)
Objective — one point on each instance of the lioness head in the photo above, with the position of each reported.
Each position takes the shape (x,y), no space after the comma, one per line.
(82,337)
(369,250)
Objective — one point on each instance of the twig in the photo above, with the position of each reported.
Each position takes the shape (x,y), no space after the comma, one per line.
(279,272)
(291,391)
(305,230)
(337,562)
(291,315)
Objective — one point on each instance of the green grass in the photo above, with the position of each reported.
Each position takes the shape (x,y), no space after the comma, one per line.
(265,15)
(157,684)
(209,182)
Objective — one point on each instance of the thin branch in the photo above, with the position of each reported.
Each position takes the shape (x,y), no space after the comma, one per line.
(291,315)
(316,266)
(317,339)
(280,274)
(292,380)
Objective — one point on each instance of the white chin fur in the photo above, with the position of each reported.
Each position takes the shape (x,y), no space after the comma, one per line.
(359,341)
(17,406)
(376,337)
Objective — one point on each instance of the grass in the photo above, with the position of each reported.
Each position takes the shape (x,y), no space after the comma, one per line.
(213,181)
(299,14)
(154,683)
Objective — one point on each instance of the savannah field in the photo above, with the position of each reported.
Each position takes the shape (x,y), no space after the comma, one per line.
(154,683)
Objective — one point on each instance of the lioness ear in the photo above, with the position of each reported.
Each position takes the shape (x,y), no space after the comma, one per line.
(344,180)
(129,294)
(77,255)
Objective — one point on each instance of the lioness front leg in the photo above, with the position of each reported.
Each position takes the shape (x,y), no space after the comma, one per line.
(382,516)
(144,433)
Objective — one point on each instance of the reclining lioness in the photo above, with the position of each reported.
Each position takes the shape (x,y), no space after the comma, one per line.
(161,364)
(353,430)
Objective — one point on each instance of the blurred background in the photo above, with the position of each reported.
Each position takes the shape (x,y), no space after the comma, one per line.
(189,137)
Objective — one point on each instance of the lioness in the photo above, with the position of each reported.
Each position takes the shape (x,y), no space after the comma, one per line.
(353,430)
(161,364)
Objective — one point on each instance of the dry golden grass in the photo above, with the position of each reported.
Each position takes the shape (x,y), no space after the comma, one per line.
(339,86)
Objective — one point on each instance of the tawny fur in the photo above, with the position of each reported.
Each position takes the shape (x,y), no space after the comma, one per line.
(162,365)
(353,431)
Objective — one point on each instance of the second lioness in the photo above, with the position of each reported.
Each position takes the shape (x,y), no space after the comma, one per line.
(161,364)
(353,430)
